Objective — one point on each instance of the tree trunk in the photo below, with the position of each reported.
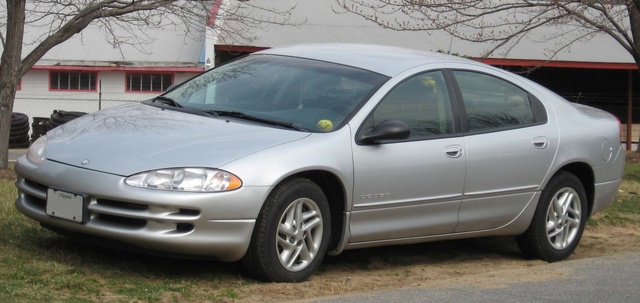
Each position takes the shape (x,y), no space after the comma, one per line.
(10,72)
(634,21)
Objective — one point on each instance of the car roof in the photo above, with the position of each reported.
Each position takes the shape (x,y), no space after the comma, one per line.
(386,60)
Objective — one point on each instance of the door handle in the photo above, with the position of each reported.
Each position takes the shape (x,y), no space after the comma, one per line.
(540,142)
(453,151)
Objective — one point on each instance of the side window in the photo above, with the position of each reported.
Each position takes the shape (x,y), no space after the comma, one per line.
(422,102)
(493,103)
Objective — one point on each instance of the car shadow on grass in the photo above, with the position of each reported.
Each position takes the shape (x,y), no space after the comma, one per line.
(425,254)
(107,261)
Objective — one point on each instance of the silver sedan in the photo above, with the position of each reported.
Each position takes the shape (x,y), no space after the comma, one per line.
(288,154)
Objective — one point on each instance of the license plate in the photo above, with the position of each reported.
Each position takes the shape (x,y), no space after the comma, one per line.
(66,205)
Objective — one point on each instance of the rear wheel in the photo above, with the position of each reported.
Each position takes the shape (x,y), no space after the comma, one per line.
(558,222)
(291,234)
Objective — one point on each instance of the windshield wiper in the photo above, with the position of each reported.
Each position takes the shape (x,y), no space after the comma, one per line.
(244,116)
(170,104)
(167,101)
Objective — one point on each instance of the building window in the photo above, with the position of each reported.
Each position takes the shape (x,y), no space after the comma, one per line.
(81,81)
(149,82)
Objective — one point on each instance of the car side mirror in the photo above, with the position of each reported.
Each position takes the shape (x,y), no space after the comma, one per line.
(387,130)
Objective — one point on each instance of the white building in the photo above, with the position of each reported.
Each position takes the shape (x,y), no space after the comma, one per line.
(87,73)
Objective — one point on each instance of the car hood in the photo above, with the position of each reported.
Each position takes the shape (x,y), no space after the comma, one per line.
(129,139)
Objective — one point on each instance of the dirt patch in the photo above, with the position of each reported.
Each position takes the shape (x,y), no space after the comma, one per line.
(633,157)
(7,174)
(485,262)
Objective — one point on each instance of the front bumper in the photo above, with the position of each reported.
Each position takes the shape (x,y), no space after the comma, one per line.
(217,225)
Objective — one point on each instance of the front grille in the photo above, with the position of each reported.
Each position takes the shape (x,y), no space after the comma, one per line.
(35,194)
(184,227)
(118,214)
(123,205)
(189,212)
(129,223)
(37,186)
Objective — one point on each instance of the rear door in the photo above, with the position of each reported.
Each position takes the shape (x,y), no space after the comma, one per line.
(510,148)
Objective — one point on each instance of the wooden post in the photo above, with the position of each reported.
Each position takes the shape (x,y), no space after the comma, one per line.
(629,112)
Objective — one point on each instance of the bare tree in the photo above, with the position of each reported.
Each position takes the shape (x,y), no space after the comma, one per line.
(501,24)
(122,23)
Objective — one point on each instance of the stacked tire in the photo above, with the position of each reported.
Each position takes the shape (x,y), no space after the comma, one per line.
(19,132)
(39,127)
(60,117)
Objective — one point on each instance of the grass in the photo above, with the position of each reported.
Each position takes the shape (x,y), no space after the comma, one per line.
(626,208)
(37,265)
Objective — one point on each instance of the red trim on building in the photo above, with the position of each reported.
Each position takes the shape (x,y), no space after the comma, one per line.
(567,64)
(490,61)
(119,68)
(213,13)
(251,49)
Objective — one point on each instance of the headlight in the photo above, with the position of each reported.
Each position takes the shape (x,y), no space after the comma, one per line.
(186,179)
(38,150)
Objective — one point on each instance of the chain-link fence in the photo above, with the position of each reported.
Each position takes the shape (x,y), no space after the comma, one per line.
(46,113)
(41,107)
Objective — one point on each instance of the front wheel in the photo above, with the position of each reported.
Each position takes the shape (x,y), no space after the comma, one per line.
(559,220)
(291,234)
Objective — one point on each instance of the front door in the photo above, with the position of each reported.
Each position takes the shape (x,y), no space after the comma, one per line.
(413,187)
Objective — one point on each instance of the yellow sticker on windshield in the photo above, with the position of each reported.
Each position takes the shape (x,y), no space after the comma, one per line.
(325,125)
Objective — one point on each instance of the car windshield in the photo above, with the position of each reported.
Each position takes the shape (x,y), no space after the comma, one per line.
(297,93)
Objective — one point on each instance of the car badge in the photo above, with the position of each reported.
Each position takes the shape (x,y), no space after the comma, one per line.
(84,162)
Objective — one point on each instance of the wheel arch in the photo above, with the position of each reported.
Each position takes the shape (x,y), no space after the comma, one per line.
(334,190)
(585,174)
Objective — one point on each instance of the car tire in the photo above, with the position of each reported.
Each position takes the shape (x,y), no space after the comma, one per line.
(59,117)
(18,119)
(39,127)
(19,131)
(558,222)
(292,233)
(22,129)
